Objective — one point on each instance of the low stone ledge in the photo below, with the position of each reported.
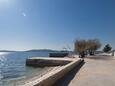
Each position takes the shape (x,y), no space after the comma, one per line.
(43,62)
(50,78)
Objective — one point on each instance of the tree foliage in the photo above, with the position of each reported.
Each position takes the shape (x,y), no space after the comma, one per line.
(80,46)
(107,48)
(93,45)
(84,46)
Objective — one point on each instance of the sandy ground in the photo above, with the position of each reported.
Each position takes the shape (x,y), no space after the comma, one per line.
(96,71)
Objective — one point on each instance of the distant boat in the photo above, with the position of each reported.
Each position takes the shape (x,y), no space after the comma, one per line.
(59,54)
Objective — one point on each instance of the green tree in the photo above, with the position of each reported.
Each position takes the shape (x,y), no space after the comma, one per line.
(107,48)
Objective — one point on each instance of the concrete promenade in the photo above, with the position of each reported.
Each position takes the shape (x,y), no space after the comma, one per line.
(97,71)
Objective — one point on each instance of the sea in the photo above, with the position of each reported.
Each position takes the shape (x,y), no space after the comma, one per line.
(13,70)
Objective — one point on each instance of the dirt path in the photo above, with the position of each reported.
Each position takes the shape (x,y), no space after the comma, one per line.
(97,71)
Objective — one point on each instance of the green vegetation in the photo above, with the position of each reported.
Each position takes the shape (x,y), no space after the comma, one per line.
(84,47)
(107,48)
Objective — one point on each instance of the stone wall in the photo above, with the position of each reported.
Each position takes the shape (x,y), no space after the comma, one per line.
(50,78)
(46,62)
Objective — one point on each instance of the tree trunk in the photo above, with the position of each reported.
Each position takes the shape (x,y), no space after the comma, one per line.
(82,54)
(91,52)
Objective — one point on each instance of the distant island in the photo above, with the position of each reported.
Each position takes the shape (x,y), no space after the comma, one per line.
(33,50)
(7,51)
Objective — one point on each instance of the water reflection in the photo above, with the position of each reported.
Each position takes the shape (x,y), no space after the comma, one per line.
(12,67)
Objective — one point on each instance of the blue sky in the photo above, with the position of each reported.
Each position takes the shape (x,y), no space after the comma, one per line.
(54,24)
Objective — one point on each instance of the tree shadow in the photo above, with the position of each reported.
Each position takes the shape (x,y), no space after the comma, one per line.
(101,57)
(64,81)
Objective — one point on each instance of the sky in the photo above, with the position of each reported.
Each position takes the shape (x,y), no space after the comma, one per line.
(55,24)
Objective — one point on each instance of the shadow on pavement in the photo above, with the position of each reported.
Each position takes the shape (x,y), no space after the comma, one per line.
(101,57)
(68,77)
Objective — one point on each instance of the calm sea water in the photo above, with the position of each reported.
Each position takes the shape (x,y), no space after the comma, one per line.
(13,69)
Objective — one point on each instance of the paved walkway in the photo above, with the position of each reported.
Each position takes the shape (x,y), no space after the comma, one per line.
(97,71)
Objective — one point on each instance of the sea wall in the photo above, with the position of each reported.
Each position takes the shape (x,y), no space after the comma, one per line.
(50,78)
(43,62)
